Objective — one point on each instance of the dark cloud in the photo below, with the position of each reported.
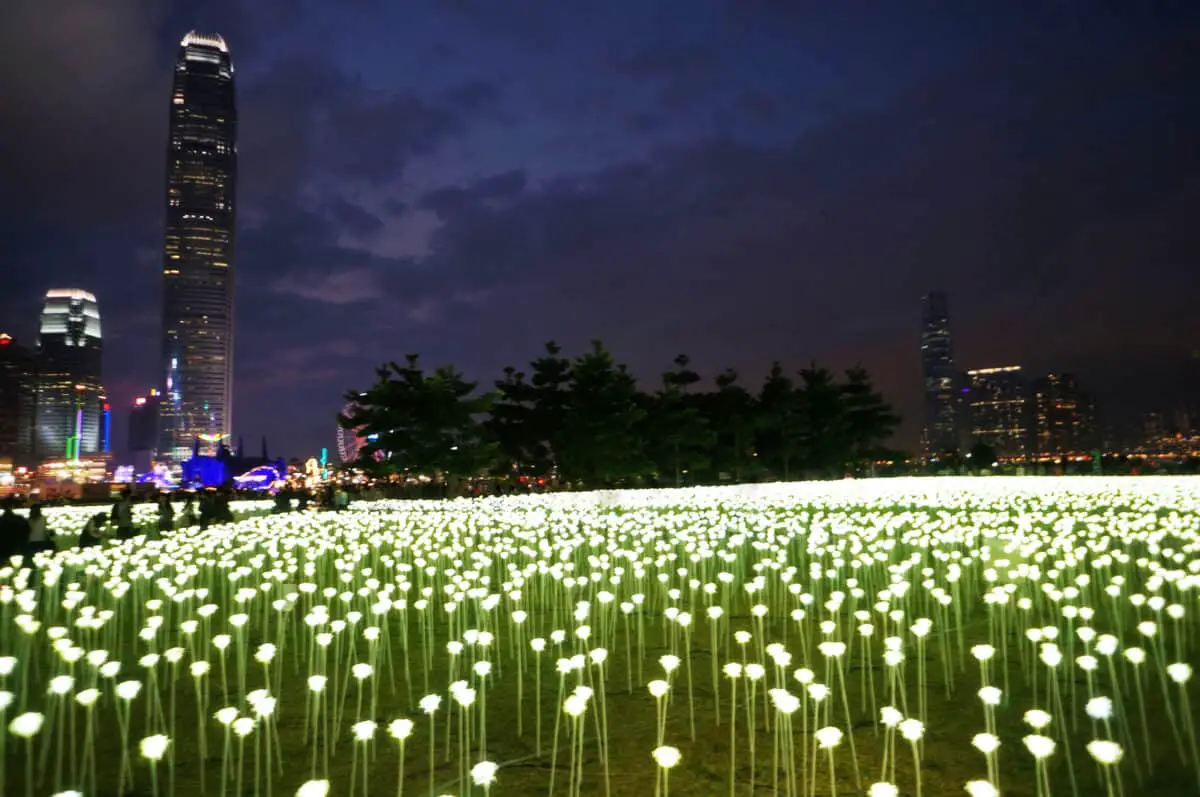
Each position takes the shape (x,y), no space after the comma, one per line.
(353,218)
(1028,197)
(535,23)
(306,122)
(666,59)
(474,97)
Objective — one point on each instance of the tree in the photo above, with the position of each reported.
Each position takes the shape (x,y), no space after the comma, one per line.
(869,419)
(981,457)
(511,425)
(550,382)
(677,433)
(783,422)
(732,415)
(824,429)
(599,442)
(425,424)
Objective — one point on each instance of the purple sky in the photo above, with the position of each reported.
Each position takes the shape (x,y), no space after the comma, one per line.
(740,180)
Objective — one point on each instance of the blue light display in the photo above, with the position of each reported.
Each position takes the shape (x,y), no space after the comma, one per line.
(260,478)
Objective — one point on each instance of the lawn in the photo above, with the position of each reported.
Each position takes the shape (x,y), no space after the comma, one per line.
(790,616)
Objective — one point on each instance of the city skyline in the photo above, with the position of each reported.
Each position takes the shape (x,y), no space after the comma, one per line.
(741,183)
(198,254)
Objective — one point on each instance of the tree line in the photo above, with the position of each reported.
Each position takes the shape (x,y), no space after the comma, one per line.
(583,421)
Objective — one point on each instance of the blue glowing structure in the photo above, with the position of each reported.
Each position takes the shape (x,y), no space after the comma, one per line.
(258,479)
(107,441)
(225,467)
(159,477)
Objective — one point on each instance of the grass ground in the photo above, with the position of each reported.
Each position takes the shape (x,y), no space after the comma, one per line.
(948,759)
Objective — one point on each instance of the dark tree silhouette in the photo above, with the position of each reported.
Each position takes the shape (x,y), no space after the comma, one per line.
(823,430)
(428,424)
(677,432)
(733,417)
(783,426)
(511,425)
(981,457)
(550,378)
(600,444)
(869,419)
(585,421)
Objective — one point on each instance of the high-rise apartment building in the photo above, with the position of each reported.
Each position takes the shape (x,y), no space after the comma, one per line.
(1063,417)
(70,403)
(198,256)
(18,393)
(944,421)
(1000,411)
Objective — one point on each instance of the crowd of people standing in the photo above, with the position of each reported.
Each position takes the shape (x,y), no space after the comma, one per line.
(28,535)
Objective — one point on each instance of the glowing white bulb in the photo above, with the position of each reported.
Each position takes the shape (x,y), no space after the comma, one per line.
(26,725)
(484,773)
(153,748)
(981,788)
(364,730)
(666,756)
(1099,708)
(829,737)
(1039,746)
(986,743)
(1037,719)
(400,729)
(313,788)
(911,729)
(1105,752)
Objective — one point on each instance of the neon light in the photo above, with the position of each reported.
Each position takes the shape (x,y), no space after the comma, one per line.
(78,430)
(107,427)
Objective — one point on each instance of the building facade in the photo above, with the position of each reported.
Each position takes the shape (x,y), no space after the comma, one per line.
(1063,418)
(944,421)
(143,423)
(70,403)
(198,256)
(1000,411)
(18,401)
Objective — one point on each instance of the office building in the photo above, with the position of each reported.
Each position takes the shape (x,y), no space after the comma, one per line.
(143,423)
(198,255)
(18,392)
(1000,411)
(944,422)
(70,401)
(1063,418)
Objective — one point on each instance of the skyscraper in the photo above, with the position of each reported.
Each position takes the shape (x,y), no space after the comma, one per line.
(1001,415)
(18,392)
(70,396)
(943,406)
(198,324)
(1063,417)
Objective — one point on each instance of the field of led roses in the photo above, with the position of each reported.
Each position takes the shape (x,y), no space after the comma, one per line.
(893,637)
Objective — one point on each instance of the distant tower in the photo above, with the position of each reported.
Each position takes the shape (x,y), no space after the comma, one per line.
(348,441)
(70,396)
(198,323)
(18,395)
(942,415)
(1000,411)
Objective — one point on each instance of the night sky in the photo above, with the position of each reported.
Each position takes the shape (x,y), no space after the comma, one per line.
(742,181)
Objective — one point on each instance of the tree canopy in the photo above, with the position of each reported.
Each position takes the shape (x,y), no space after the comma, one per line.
(583,421)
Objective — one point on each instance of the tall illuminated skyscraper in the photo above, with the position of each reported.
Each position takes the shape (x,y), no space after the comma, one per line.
(198,322)
(943,406)
(70,397)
